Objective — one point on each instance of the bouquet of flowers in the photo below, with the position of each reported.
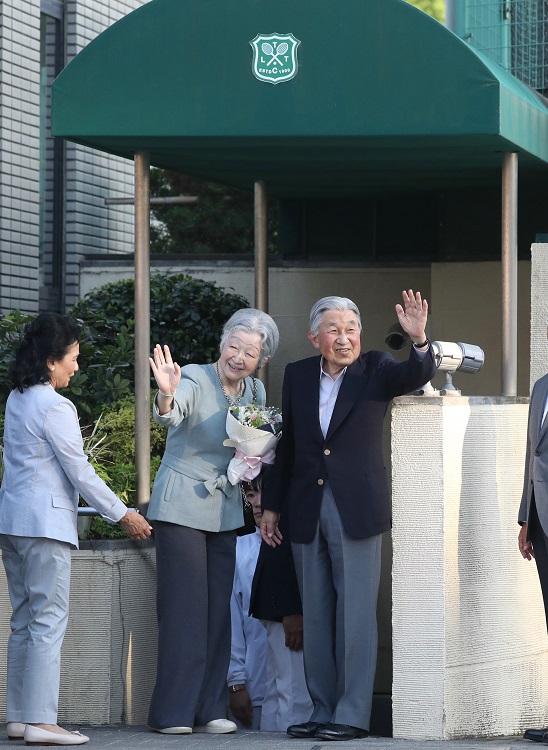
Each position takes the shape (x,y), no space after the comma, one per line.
(253,431)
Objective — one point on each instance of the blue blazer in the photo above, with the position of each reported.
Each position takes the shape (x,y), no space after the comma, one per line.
(45,468)
(350,458)
(535,479)
(191,487)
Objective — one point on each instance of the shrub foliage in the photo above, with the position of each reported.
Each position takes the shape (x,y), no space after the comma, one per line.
(114,458)
(187,314)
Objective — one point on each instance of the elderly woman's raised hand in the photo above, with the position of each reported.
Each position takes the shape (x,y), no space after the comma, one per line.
(166,372)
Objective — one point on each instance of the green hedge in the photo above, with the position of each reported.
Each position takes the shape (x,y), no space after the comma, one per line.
(187,314)
(110,446)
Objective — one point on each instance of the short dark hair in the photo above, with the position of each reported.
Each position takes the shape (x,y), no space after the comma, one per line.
(256,484)
(48,336)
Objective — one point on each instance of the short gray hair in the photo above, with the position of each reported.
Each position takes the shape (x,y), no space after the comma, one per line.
(253,321)
(331,303)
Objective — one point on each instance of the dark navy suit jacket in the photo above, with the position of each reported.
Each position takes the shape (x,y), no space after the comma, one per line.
(350,458)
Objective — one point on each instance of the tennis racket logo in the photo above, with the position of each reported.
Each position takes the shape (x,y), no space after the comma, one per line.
(274,57)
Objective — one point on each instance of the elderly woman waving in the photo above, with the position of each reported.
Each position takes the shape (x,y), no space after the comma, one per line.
(196,512)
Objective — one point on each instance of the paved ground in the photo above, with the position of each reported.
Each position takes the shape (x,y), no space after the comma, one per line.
(127,738)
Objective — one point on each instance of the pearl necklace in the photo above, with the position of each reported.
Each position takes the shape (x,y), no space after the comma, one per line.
(232,403)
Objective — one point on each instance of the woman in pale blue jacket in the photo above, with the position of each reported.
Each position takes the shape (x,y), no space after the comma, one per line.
(45,469)
(196,512)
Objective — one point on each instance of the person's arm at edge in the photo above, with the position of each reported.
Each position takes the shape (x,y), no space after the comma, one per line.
(276,488)
(525,547)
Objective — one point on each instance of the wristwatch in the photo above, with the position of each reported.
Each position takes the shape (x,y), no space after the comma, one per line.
(236,688)
(423,345)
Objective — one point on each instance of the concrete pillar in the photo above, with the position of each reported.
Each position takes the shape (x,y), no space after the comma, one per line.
(469,635)
(539,311)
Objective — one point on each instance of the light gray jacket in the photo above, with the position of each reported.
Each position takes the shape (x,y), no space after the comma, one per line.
(536,460)
(45,468)
(191,487)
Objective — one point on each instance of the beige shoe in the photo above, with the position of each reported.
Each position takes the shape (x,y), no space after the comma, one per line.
(174,730)
(217,726)
(15,730)
(36,736)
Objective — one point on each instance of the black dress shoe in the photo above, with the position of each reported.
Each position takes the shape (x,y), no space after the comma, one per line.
(306,730)
(537,735)
(340,732)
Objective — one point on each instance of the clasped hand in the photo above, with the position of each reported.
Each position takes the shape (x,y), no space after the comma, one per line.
(270,532)
(135,526)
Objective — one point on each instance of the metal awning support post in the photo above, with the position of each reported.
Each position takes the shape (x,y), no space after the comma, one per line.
(261,255)
(142,327)
(450,15)
(509,274)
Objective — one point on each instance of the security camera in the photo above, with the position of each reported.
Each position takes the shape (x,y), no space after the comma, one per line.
(450,357)
(396,338)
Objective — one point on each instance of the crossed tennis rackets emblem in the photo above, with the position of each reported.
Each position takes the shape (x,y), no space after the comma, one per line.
(268,49)
(274,57)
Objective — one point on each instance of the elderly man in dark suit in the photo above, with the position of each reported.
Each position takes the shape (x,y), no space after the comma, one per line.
(330,473)
(533,510)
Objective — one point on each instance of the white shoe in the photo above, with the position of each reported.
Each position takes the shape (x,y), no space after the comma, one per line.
(15,730)
(217,726)
(174,730)
(36,736)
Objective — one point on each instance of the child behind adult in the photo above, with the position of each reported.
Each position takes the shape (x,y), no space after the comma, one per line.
(274,694)
(246,677)
(276,602)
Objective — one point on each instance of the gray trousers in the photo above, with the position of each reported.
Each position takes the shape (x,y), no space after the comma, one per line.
(195,571)
(537,535)
(339,583)
(38,574)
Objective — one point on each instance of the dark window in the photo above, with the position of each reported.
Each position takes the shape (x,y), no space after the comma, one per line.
(52,250)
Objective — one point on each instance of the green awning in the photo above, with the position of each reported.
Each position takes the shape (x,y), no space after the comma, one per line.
(376,95)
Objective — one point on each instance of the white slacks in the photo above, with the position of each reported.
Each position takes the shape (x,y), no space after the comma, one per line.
(38,573)
(286,698)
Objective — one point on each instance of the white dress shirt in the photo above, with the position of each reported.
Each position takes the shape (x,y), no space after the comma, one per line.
(544,412)
(249,646)
(329,390)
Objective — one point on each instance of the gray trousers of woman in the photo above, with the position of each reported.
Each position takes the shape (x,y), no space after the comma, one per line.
(195,572)
(38,575)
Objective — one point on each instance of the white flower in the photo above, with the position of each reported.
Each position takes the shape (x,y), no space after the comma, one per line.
(253,431)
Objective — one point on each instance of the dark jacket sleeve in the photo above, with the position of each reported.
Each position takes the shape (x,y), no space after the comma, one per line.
(274,591)
(275,489)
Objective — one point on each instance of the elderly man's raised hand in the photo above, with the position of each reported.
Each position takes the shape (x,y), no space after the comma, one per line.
(166,372)
(413,316)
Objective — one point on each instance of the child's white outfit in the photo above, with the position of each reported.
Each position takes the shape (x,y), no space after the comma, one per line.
(271,672)
(248,655)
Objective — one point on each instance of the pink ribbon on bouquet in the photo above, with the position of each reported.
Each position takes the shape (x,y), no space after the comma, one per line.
(244,468)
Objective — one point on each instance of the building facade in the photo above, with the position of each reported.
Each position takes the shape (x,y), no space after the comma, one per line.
(512,33)
(52,194)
